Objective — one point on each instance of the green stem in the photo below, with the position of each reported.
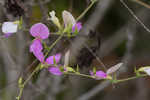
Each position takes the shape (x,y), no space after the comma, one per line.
(54,43)
(79,74)
(20,94)
(35,70)
(26,81)
(142,3)
(86,10)
(130,78)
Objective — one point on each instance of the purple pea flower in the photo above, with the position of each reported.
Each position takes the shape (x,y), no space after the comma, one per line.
(77,26)
(50,59)
(39,56)
(39,30)
(36,47)
(99,74)
(55,71)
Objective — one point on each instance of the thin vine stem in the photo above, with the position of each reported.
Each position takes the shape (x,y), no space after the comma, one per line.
(59,38)
(142,3)
(86,10)
(79,74)
(20,94)
(26,81)
(130,78)
(134,15)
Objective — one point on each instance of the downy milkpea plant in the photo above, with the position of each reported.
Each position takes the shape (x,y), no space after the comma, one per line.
(70,27)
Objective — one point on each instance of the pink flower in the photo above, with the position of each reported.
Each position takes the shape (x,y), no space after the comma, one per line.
(36,47)
(55,71)
(39,56)
(50,59)
(99,74)
(39,30)
(77,26)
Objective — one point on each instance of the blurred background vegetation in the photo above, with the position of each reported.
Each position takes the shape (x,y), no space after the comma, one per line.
(109,31)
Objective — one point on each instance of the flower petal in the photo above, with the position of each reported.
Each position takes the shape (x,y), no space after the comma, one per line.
(39,56)
(54,19)
(39,30)
(55,71)
(100,75)
(36,46)
(77,26)
(9,27)
(68,18)
(50,59)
